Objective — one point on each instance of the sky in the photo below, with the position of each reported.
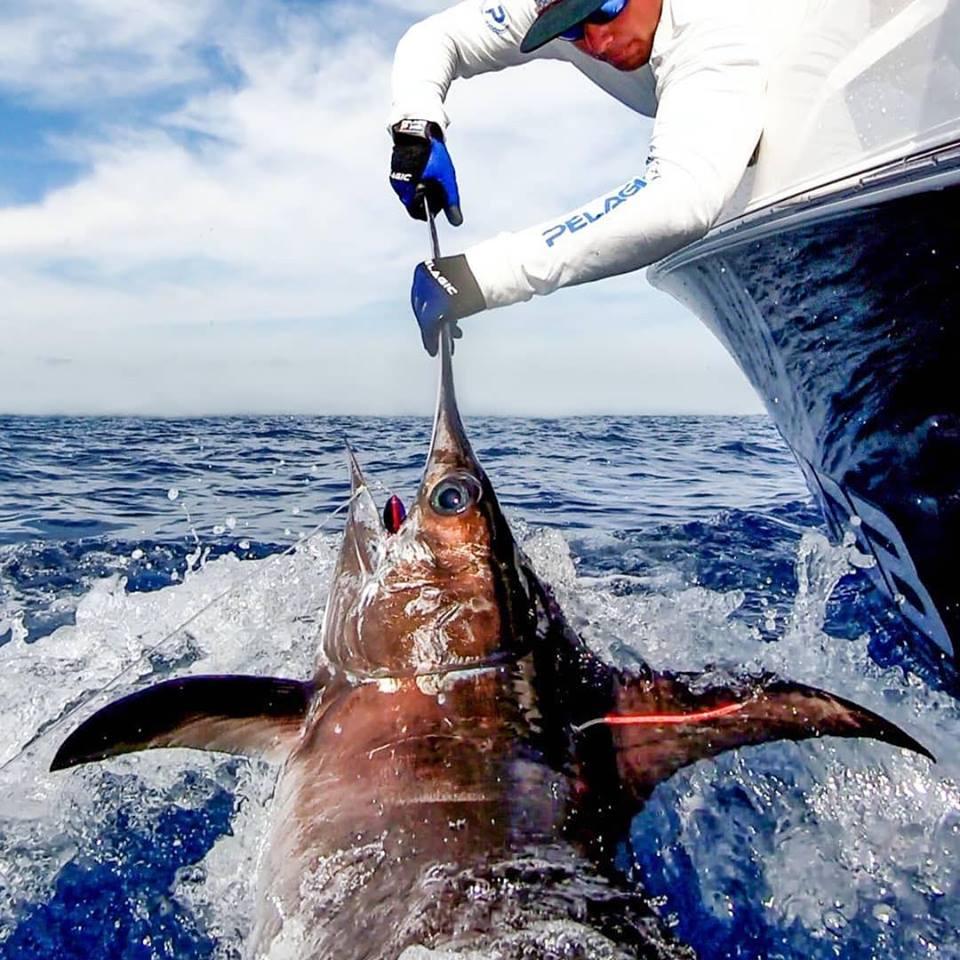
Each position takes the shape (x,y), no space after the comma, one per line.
(195,218)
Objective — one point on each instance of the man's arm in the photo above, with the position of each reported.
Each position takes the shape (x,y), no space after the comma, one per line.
(709,119)
(473,37)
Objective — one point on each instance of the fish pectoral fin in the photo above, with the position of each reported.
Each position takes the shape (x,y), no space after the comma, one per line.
(660,723)
(259,716)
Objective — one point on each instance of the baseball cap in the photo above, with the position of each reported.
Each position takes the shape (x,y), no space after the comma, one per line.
(557,18)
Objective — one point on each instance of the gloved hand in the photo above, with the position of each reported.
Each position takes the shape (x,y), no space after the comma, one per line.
(420,166)
(443,291)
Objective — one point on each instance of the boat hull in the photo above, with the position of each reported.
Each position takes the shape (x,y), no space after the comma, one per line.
(844,313)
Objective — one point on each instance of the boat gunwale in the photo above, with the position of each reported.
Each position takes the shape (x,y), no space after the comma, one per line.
(933,169)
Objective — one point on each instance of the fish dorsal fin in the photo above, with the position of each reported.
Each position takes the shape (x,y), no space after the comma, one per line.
(356,474)
(361,550)
(660,723)
(363,533)
(259,716)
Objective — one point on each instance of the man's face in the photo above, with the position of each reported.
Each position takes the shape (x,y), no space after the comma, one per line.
(626,41)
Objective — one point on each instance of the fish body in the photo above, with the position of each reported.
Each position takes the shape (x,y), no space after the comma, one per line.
(459,771)
(434,819)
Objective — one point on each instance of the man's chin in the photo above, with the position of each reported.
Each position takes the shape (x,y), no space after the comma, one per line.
(626,61)
(627,65)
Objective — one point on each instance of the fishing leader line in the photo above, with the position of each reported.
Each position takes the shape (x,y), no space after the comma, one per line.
(85,700)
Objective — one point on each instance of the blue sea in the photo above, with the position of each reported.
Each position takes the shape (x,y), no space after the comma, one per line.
(135,549)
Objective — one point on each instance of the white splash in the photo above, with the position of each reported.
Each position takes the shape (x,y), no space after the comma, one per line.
(551,938)
(842,832)
(257,617)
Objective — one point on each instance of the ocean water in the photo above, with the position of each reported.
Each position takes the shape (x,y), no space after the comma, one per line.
(132,550)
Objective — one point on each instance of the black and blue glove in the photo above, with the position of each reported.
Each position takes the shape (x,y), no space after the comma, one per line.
(421,167)
(443,291)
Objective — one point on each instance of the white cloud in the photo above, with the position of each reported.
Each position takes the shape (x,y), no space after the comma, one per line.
(243,251)
(63,52)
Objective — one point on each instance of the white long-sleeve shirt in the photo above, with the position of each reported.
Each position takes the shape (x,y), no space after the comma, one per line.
(704,84)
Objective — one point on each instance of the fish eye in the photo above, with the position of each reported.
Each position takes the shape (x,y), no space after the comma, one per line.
(454,494)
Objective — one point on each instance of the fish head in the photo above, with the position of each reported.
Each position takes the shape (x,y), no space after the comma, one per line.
(448,590)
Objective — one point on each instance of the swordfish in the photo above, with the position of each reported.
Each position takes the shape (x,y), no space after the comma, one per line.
(459,772)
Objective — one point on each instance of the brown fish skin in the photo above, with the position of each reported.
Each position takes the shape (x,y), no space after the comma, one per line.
(465,831)
(461,768)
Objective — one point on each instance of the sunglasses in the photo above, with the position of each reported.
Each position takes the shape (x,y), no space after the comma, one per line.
(609,10)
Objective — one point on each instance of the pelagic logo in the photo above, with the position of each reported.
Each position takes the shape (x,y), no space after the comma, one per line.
(495,18)
(586,217)
(440,278)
